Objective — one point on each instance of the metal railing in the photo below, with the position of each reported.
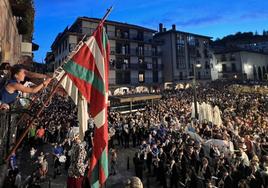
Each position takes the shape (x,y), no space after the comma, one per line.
(4,119)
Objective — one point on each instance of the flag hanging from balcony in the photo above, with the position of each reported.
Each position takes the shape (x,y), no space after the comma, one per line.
(88,71)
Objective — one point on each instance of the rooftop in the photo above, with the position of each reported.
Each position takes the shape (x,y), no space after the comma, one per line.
(237,49)
(68,30)
(97,20)
(182,32)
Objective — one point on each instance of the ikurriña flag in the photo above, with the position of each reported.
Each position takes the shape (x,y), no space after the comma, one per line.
(88,70)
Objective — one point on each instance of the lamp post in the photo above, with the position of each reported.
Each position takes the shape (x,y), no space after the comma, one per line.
(194,87)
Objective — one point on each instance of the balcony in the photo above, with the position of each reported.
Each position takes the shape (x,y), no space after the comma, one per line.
(156,54)
(135,66)
(232,59)
(136,38)
(118,51)
(140,66)
(147,53)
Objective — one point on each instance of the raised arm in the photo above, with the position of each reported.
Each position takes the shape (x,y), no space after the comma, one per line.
(35,75)
(19,87)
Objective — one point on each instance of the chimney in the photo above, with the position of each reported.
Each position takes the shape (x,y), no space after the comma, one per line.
(174,27)
(160,27)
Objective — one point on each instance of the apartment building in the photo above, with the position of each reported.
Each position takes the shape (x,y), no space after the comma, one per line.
(135,57)
(180,52)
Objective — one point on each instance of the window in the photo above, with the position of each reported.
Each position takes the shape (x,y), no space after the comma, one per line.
(65,45)
(205,43)
(140,50)
(181,63)
(191,40)
(119,48)
(232,57)
(141,77)
(154,51)
(224,68)
(207,66)
(140,35)
(197,42)
(198,53)
(155,76)
(180,50)
(71,47)
(181,76)
(124,49)
(233,67)
(223,57)
(125,64)
(155,64)
(126,61)
(126,35)
(199,75)
(206,53)
(118,33)
(112,63)
(149,66)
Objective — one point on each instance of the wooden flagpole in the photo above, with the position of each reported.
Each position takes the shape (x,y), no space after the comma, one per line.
(53,91)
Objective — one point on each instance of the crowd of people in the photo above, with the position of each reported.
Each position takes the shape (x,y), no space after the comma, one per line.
(170,153)
(171,146)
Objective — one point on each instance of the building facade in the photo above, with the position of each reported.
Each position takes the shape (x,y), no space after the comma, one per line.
(259,46)
(242,65)
(180,52)
(10,39)
(135,57)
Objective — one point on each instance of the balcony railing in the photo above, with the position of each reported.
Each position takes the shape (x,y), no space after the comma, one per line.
(134,52)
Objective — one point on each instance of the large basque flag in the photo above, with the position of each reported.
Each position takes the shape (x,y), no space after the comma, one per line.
(88,70)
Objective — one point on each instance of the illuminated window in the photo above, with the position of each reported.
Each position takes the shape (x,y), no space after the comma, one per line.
(141,77)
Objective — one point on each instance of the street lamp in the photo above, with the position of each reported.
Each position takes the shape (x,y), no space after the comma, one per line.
(194,87)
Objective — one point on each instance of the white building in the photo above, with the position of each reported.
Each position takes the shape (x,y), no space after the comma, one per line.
(241,64)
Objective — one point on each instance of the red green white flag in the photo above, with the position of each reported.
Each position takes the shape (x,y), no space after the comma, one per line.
(88,70)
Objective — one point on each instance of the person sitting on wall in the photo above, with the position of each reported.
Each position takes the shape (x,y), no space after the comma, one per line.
(10,91)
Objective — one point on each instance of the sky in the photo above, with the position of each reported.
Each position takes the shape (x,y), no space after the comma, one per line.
(216,18)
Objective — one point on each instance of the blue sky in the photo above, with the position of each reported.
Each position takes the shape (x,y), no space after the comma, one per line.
(212,18)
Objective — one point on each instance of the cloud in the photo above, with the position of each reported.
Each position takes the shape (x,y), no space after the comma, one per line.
(254,15)
(199,21)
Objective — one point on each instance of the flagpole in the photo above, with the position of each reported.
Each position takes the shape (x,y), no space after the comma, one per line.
(54,90)
(106,15)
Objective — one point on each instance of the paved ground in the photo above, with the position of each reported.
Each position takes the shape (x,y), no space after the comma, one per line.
(27,166)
